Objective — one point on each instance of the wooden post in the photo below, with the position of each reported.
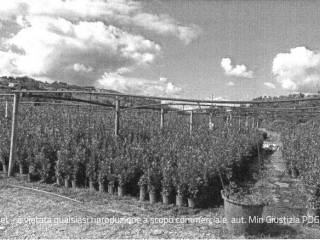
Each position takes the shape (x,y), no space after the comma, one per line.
(247,121)
(161,119)
(253,122)
(6,110)
(230,118)
(13,134)
(211,124)
(191,122)
(116,118)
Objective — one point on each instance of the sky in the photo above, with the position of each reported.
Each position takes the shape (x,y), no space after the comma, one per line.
(204,49)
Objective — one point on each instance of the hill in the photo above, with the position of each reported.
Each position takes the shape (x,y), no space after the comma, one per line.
(9,84)
(27,83)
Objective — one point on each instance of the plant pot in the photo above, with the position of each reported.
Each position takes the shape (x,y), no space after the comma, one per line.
(152,197)
(101,187)
(179,200)
(120,190)
(191,203)
(165,198)
(142,193)
(66,182)
(58,180)
(74,184)
(21,168)
(4,168)
(30,172)
(234,213)
(294,173)
(91,185)
(110,188)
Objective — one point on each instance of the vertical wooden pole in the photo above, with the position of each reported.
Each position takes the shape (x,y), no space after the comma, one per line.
(161,119)
(191,122)
(253,122)
(13,134)
(247,121)
(211,125)
(6,110)
(117,118)
(239,122)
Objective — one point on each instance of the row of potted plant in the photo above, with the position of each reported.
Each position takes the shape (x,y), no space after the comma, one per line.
(77,149)
(301,151)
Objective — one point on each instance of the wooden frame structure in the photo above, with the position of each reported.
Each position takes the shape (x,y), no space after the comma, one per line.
(200,107)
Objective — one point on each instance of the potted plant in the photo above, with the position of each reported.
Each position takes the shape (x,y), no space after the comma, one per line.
(79,156)
(152,193)
(179,182)
(194,186)
(189,170)
(166,189)
(31,164)
(121,184)
(21,156)
(107,167)
(111,182)
(101,179)
(143,183)
(168,162)
(242,203)
(180,192)
(91,167)
(124,168)
(153,180)
(61,168)
(41,162)
(151,168)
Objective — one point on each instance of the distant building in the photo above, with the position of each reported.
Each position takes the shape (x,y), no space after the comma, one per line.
(12,85)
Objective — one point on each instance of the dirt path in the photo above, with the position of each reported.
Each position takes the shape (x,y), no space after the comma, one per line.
(287,193)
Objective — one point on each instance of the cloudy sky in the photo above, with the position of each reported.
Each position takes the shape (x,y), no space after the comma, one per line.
(187,48)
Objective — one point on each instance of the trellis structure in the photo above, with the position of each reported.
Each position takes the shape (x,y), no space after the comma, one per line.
(211,108)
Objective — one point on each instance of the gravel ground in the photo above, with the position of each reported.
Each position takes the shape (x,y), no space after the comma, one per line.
(19,209)
(29,214)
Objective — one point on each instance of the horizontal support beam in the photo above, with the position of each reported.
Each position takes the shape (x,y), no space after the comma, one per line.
(170,99)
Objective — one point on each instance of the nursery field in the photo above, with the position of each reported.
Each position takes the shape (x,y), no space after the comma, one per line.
(77,148)
(154,167)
